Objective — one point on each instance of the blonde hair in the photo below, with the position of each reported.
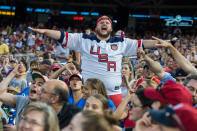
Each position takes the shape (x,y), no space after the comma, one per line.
(50,116)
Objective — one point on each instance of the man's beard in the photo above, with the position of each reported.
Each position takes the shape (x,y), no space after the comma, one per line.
(103,35)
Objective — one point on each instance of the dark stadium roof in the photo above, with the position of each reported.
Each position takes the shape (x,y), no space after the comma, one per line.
(162,7)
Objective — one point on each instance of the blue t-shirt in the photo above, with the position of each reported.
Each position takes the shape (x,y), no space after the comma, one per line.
(111,105)
(25,92)
(80,103)
(167,76)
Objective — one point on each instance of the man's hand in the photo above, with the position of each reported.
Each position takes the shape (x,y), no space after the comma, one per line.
(41,31)
(161,43)
(145,124)
(16,70)
(141,51)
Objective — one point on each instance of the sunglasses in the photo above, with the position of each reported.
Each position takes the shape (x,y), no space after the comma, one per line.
(132,105)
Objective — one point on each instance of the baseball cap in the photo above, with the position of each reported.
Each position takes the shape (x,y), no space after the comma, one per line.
(37,75)
(120,33)
(182,116)
(55,66)
(178,72)
(170,93)
(76,75)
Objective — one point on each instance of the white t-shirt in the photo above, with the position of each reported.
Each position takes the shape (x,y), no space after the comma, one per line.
(124,89)
(31,40)
(101,59)
(60,51)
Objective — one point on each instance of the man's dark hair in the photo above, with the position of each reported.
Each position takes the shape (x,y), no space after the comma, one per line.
(146,102)
(190,77)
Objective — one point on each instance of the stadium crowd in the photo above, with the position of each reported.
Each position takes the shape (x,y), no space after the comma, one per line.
(71,79)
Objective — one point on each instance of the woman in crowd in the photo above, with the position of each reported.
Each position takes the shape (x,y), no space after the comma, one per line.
(38,117)
(96,86)
(91,121)
(97,103)
(127,77)
(139,105)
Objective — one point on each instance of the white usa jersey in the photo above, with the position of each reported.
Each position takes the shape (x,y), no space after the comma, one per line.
(101,59)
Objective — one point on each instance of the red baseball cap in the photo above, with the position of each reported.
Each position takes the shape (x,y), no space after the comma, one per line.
(174,93)
(75,75)
(186,117)
(120,33)
(55,66)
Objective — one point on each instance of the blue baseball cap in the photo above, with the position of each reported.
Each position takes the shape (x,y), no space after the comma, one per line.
(163,116)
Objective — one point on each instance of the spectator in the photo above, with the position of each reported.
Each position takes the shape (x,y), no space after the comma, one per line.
(170,93)
(4,49)
(191,83)
(13,64)
(21,101)
(96,86)
(45,66)
(97,103)
(89,121)
(47,118)
(75,91)
(56,66)
(31,40)
(33,65)
(127,77)
(175,120)
(92,48)
(37,55)
(55,93)
(19,83)
(62,55)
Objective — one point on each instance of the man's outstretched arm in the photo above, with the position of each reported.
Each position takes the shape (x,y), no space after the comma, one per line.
(153,65)
(180,59)
(8,98)
(50,33)
(150,43)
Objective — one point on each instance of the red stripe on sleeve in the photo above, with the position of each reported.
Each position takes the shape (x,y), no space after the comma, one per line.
(139,43)
(65,45)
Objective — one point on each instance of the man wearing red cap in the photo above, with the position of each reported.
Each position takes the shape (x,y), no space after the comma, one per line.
(101,53)
(181,117)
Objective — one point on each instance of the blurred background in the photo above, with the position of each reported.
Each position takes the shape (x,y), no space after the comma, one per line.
(129,15)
